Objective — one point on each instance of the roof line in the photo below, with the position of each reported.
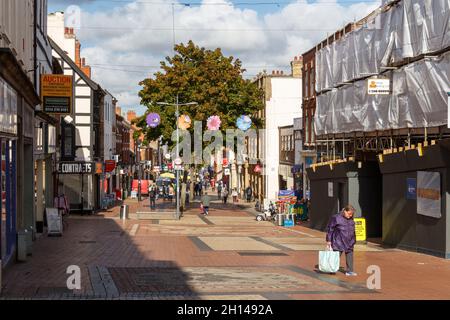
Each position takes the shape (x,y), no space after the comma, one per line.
(73,65)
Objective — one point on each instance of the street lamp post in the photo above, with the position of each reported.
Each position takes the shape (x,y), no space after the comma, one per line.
(177,114)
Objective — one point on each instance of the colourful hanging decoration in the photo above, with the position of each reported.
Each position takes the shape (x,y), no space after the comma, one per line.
(184,122)
(213,123)
(244,123)
(153,120)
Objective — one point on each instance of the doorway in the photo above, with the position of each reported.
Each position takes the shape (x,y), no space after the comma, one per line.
(8,207)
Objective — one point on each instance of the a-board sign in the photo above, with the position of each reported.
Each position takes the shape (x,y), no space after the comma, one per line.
(54,222)
(360,229)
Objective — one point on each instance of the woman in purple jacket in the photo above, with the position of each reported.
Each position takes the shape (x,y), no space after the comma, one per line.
(341,236)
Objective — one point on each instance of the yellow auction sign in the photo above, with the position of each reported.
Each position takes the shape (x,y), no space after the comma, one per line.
(360,229)
(56,93)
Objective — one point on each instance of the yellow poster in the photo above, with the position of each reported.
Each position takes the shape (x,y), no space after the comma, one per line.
(360,229)
(56,93)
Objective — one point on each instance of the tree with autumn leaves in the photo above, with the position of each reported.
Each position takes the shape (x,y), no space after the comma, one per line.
(207,77)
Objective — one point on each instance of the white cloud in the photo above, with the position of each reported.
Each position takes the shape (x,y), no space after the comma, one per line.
(139,34)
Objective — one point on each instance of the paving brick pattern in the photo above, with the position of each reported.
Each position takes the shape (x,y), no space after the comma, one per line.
(232,257)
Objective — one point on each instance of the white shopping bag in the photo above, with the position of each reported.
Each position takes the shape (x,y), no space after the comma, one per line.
(329,261)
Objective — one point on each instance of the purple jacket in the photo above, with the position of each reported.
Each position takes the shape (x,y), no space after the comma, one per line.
(341,233)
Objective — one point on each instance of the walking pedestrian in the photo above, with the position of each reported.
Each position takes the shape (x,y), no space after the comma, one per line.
(152,197)
(205,203)
(224,195)
(219,191)
(234,194)
(248,193)
(341,236)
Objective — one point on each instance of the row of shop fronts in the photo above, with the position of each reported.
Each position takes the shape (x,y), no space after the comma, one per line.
(17,101)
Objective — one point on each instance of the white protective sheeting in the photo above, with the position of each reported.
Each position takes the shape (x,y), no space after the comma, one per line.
(418,99)
(409,29)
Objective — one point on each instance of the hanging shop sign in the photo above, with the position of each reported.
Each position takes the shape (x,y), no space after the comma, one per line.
(98,168)
(360,229)
(429,194)
(379,86)
(56,93)
(110,165)
(76,167)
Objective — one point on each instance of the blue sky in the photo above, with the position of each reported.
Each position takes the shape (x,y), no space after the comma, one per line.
(124,41)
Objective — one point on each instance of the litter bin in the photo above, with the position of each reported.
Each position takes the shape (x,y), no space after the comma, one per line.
(124,212)
(280,219)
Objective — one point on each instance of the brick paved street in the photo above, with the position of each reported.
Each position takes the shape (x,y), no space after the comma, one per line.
(225,255)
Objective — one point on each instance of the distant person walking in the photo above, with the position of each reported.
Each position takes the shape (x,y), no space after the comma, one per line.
(248,193)
(341,236)
(152,197)
(205,203)
(219,191)
(224,195)
(234,194)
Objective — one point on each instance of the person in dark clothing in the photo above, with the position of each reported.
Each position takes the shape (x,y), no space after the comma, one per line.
(248,194)
(152,197)
(219,191)
(341,236)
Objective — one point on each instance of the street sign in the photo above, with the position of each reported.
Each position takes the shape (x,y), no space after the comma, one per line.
(56,93)
(178,161)
(227,172)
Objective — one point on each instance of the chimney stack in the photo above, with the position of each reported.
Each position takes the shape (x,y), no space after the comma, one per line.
(296,67)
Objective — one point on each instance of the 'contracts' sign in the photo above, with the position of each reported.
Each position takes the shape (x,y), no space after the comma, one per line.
(76,167)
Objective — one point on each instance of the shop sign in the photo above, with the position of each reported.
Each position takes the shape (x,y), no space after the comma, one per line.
(360,229)
(330,189)
(227,172)
(376,86)
(56,93)
(110,165)
(76,167)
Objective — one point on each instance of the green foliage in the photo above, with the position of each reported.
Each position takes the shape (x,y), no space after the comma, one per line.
(203,76)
